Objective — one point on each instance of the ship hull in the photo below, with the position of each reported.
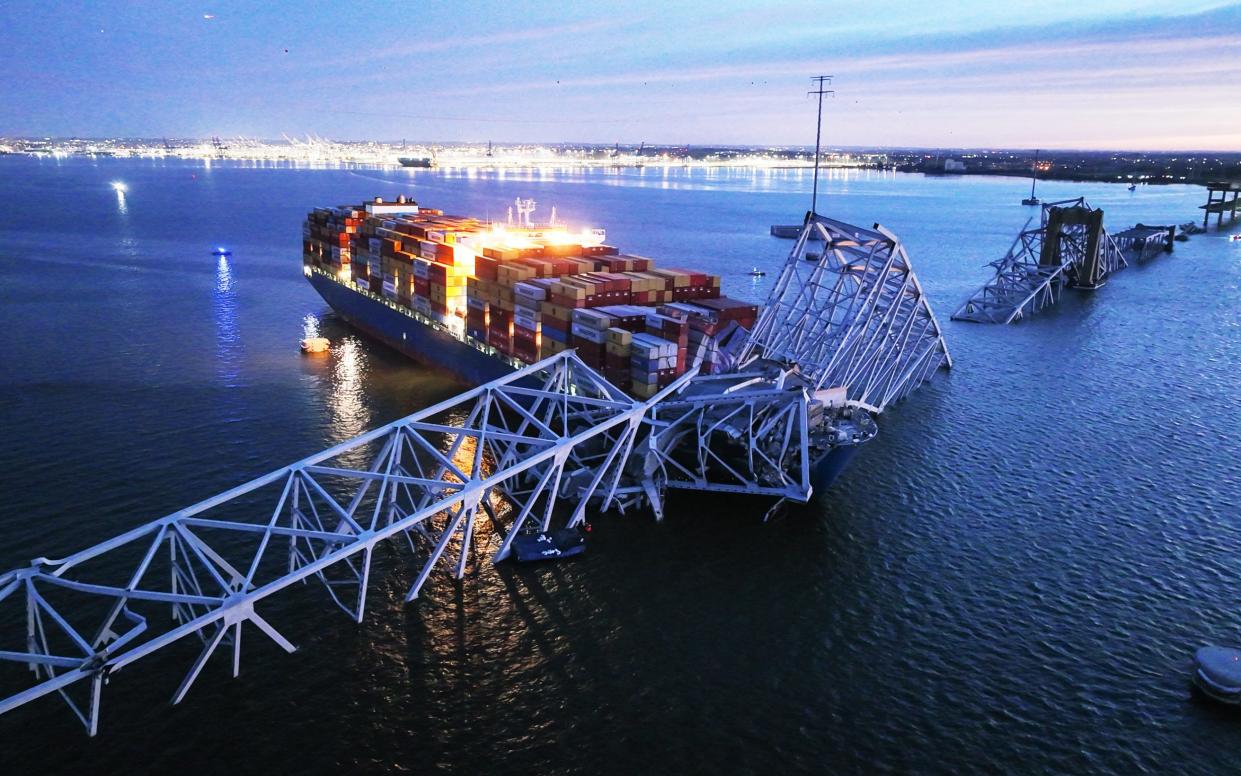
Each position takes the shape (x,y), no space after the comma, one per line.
(443,352)
(826,471)
(409,336)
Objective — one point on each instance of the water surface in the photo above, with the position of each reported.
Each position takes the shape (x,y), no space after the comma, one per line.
(1010,577)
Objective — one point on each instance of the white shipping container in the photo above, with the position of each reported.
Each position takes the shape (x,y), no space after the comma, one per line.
(525,319)
(658,321)
(645,345)
(528,290)
(597,336)
(592,318)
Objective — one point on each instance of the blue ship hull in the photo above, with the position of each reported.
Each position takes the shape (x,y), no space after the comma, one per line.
(406,334)
(828,469)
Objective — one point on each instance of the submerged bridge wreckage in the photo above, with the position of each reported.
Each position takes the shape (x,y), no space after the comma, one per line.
(846,332)
(1069,248)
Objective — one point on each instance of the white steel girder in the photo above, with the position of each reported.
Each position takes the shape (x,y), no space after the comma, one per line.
(513,449)
(853,315)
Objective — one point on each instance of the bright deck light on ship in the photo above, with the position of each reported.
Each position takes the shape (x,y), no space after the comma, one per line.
(119,187)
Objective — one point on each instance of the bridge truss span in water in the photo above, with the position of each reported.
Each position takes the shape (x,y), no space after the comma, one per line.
(511,451)
(845,333)
(1069,248)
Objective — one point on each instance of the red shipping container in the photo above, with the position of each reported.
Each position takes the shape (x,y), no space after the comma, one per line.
(486,268)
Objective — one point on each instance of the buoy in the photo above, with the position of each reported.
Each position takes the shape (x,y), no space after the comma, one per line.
(1217,672)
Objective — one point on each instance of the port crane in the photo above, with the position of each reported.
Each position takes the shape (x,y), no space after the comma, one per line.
(846,332)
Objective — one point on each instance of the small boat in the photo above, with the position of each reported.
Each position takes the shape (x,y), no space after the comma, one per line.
(221,252)
(549,545)
(756,273)
(1133,187)
(1030,201)
(1217,672)
(1234,238)
(315,345)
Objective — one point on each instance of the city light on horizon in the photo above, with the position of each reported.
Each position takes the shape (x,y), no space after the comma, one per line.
(1107,75)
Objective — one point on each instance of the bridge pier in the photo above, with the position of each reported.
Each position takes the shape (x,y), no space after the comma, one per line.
(1223,204)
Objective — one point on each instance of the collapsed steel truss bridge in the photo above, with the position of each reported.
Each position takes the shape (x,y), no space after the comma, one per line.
(1069,248)
(844,334)
(851,314)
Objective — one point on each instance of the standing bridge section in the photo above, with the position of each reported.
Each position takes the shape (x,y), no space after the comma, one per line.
(1229,198)
(1069,248)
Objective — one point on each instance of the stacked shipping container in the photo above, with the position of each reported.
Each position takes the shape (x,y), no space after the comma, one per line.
(530,292)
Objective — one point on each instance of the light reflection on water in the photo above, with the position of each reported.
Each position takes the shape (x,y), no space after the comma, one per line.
(229,347)
(310,326)
(351,414)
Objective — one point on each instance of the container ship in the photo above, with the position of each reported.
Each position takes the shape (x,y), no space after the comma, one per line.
(480,299)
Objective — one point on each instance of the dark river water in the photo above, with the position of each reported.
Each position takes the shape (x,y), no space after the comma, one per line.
(1010,578)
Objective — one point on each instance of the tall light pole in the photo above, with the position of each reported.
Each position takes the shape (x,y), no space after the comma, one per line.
(820,81)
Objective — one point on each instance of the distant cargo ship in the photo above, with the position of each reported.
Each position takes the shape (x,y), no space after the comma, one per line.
(423,162)
(479,300)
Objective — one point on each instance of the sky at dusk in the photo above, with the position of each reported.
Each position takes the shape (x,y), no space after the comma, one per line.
(978,73)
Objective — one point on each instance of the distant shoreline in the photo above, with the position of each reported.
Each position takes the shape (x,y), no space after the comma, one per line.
(1092,167)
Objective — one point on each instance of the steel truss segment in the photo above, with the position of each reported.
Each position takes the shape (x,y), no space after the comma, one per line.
(750,443)
(1069,248)
(853,315)
(419,478)
(852,327)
